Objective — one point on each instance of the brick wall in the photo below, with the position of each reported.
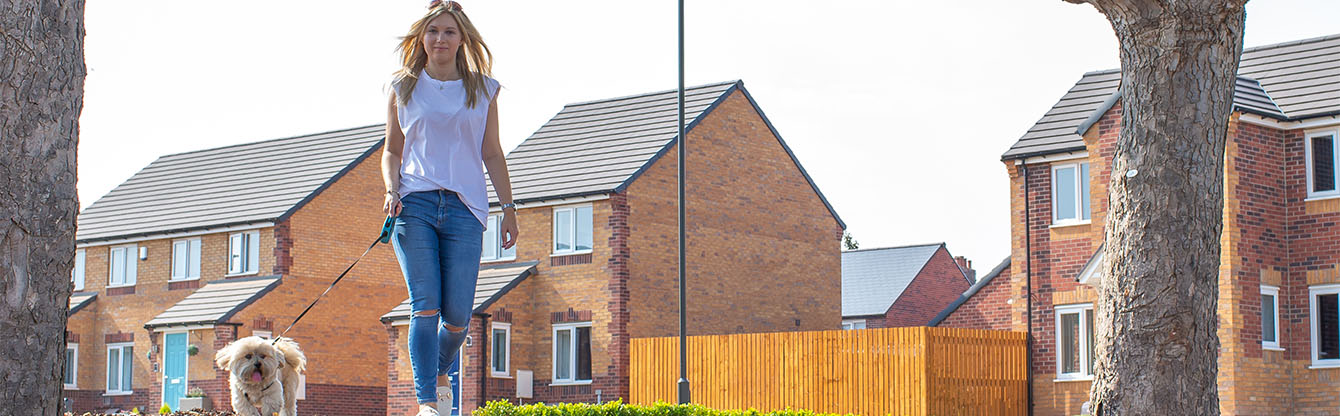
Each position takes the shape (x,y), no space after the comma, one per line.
(938,284)
(763,250)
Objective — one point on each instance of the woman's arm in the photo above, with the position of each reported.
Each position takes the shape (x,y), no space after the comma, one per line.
(395,144)
(496,163)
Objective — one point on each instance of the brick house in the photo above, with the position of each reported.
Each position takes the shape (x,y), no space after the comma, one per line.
(201,248)
(900,286)
(596,264)
(1279,282)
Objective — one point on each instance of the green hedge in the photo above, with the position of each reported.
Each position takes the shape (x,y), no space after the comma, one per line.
(503,408)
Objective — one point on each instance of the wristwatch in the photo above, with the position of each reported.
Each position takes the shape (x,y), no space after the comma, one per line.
(509,205)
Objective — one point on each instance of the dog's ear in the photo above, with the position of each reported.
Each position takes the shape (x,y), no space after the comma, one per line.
(279,356)
(224,357)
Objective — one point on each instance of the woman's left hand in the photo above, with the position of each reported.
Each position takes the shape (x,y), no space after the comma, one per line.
(508,230)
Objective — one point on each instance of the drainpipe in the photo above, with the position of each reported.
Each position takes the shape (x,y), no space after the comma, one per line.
(485,335)
(1028,301)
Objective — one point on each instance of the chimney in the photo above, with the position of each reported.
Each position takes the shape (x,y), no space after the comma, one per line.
(966,265)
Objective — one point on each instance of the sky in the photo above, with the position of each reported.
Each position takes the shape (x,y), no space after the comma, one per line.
(899,110)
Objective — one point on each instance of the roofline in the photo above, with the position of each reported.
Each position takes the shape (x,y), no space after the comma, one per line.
(626,97)
(387,319)
(271,140)
(674,140)
(153,235)
(83,304)
(922,269)
(895,247)
(777,135)
(971,291)
(223,319)
(508,287)
(1291,43)
(331,181)
(1098,113)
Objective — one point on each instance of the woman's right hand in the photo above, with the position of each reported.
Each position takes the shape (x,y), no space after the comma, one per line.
(392,205)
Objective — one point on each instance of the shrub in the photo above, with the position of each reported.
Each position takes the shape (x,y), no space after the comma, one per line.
(616,408)
(165,409)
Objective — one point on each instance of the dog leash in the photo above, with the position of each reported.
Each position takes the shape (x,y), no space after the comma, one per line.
(384,237)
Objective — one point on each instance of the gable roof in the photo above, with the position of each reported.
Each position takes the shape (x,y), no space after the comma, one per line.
(245,183)
(1286,81)
(215,302)
(872,279)
(599,147)
(78,300)
(972,290)
(494,282)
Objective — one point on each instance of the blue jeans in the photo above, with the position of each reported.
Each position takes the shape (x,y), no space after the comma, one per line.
(438,242)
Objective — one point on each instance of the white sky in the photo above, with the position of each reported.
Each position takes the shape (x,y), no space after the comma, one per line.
(899,110)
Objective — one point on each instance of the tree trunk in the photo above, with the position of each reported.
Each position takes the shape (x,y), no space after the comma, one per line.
(41,95)
(1156,318)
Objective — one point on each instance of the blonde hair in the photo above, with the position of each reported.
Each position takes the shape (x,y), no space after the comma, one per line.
(473,59)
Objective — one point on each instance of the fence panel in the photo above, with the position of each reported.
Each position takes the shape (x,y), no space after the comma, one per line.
(899,371)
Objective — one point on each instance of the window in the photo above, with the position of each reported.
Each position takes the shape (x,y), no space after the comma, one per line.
(500,359)
(1325,325)
(493,240)
(1070,193)
(853,324)
(572,230)
(186,259)
(71,366)
(121,263)
(262,334)
(572,353)
(119,367)
(77,272)
(1270,312)
(1321,162)
(244,252)
(1074,342)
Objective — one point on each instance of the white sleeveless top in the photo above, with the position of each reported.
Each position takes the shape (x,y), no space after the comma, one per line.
(443,141)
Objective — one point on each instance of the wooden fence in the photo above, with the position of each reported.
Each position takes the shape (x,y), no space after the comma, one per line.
(897,371)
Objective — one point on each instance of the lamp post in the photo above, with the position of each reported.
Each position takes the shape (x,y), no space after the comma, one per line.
(683,340)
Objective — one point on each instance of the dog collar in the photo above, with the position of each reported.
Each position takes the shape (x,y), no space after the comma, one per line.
(267,387)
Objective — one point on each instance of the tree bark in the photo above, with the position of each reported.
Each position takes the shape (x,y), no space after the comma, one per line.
(41,95)
(1156,317)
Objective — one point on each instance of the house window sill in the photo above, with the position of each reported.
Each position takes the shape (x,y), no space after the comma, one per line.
(117,393)
(1322,366)
(487,261)
(70,387)
(570,253)
(241,274)
(183,279)
(1071,223)
(1274,348)
(119,286)
(1321,197)
(1069,378)
(570,383)
(501,375)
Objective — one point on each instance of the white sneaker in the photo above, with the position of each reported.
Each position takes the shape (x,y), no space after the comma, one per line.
(427,411)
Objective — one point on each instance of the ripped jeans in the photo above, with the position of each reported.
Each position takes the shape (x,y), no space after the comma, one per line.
(438,242)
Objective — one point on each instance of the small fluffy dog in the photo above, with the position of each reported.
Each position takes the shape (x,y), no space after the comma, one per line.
(264,376)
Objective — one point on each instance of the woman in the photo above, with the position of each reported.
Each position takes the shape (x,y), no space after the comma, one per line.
(441,126)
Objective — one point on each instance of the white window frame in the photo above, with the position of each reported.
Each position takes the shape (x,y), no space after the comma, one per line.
(493,226)
(507,350)
(553,364)
(80,266)
(1274,292)
(1312,293)
(193,249)
(849,324)
(130,255)
(1083,346)
(572,229)
(249,250)
(1335,162)
(73,365)
(1081,215)
(121,389)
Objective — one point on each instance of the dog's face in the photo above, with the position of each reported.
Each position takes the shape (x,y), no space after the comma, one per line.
(251,360)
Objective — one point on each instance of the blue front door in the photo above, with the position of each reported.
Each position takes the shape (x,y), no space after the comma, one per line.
(174,369)
(454,372)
